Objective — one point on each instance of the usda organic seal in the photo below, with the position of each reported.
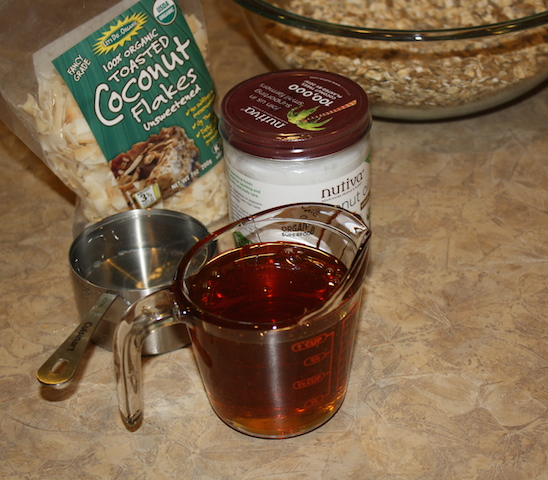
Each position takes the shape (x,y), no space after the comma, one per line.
(164,11)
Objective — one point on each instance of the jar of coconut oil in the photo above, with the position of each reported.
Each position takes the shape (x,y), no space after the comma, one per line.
(296,136)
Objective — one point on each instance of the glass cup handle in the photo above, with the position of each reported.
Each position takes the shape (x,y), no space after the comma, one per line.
(157,310)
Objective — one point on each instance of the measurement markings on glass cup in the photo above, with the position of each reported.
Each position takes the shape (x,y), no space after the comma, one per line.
(315,361)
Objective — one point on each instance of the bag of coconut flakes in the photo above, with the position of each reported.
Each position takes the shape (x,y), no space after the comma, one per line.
(116,98)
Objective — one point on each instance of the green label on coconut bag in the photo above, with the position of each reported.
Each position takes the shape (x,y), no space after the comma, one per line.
(144,88)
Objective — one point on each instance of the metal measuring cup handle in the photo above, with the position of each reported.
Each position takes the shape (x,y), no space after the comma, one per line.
(63,363)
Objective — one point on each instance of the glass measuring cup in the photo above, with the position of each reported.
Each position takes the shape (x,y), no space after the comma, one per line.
(271,303)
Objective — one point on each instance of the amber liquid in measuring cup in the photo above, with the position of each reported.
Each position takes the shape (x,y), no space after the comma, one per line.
(271,303)
(288,382)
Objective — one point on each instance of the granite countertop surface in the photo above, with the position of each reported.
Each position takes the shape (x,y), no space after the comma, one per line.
(450,372)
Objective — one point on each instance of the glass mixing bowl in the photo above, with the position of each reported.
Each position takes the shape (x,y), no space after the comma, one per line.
(491,55)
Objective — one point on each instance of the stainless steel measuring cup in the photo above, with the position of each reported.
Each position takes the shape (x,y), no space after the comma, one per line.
(114,263)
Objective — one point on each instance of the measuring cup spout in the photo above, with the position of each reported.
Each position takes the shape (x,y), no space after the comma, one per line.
(352,282)
(358,268)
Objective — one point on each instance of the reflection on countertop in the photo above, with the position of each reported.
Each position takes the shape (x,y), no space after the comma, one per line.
(450,372)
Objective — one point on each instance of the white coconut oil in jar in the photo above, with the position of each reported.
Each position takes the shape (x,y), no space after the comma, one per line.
(296,136)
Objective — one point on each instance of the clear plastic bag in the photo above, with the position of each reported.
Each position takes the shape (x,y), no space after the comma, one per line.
(175,162)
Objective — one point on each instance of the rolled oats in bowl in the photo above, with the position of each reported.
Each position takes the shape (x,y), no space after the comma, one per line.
(420,60)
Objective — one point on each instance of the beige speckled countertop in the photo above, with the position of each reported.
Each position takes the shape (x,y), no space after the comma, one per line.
(450,375)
